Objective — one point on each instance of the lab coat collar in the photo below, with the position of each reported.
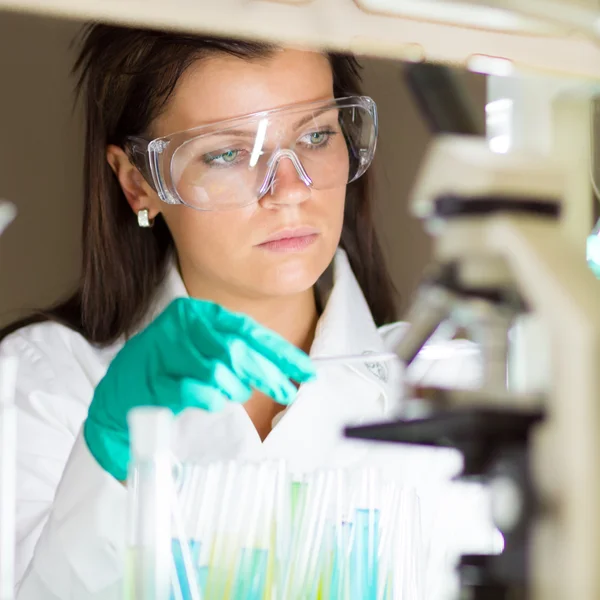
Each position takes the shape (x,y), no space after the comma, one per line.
(345,327)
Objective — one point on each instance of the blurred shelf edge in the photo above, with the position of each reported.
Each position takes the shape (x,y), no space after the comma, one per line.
(344,26)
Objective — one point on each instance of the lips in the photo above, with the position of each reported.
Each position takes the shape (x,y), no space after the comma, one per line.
(290,240)
(288,234)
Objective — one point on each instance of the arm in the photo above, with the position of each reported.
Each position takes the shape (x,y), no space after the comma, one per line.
(70,513)
(195,354)
(80,551)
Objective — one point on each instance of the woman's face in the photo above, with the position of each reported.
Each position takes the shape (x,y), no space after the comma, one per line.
(226,252)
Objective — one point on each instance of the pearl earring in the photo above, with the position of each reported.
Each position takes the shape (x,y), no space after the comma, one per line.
(143,218)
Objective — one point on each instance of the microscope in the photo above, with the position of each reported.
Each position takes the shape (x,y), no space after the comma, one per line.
(499,252)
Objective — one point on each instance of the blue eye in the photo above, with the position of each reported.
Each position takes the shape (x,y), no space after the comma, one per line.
(229,156)
(317,139)
(222,158)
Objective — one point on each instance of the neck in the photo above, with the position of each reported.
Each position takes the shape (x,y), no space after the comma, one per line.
(293,317)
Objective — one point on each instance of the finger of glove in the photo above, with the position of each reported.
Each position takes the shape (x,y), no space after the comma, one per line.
(179,394)
(235,372)
(207,369)
(109,447)
(291,361)
(260,373)
(224,379)
(183,336)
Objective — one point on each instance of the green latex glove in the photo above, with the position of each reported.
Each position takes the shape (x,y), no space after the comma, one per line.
(195,354)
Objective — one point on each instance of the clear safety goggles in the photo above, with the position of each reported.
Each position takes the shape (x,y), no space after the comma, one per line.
(234,163)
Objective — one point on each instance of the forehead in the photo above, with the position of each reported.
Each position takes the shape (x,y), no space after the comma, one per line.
(224,87)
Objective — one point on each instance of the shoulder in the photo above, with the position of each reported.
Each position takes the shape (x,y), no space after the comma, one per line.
(39,344)
(441,362)
(47,340)
(52,356)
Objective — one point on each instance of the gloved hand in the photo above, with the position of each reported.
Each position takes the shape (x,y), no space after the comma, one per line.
(195,354)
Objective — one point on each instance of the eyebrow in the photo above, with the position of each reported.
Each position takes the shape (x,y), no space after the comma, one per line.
(312,116)
(233,132)
(251,135)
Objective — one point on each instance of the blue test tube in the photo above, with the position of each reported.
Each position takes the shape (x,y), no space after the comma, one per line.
(251,574)
(180,570)
(364,559)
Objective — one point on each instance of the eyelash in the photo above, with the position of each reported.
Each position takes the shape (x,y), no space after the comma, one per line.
(210,159)
(328,132)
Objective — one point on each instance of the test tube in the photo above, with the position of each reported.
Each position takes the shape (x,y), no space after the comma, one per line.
(185,581)
(208,498)
(187,541)
(224,543)
(390,526)
(150,497)
(336,540)
(365,546)
(409,552)
(8,459)
(252,575)
(282,528)
(303,569)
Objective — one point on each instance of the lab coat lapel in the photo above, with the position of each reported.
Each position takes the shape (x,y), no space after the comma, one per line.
(347,327)
(310,432)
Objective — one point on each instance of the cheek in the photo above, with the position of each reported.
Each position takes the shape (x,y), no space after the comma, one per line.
(207,237)
(331,204)
(220,245)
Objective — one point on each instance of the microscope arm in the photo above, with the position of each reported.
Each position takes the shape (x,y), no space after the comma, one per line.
(432,306)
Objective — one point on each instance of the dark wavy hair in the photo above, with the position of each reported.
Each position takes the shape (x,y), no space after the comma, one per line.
(125,78)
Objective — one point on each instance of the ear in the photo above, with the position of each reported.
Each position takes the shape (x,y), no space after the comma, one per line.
(137,190)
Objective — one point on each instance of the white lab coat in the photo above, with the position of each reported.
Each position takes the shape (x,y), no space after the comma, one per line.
(71,514)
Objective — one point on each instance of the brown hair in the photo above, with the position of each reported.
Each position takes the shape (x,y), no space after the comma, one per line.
(125,79)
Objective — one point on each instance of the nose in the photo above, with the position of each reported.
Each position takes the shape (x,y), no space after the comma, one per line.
(286,183)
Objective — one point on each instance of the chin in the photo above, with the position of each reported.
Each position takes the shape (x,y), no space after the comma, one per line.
(291,276)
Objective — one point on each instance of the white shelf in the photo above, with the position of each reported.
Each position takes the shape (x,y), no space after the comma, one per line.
(461,13)
(354,26)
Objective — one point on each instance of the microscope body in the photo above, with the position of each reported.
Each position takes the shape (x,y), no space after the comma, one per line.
(499,251)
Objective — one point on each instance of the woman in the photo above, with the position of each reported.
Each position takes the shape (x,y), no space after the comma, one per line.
(227,233)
